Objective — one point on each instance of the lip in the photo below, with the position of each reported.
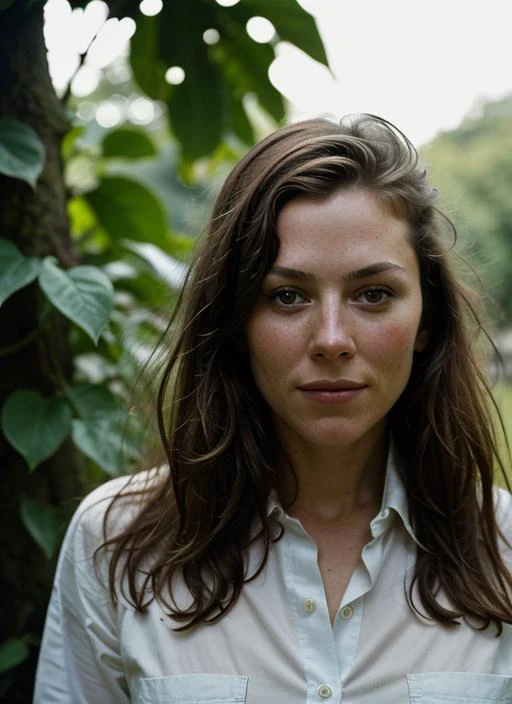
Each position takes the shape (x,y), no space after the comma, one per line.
(332,385)
(332,392)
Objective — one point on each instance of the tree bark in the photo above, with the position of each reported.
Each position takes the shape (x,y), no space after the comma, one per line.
(36,221)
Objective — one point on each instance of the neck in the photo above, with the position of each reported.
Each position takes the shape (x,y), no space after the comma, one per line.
(332,483)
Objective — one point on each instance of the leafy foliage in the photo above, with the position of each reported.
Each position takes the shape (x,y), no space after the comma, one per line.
(34,425)
(208,104)
(22,153)
(128,210)
(100,419)
(84,295)
(128,143)
(16,271)
(43,523)
(124,232)
(472,167)
(13,652)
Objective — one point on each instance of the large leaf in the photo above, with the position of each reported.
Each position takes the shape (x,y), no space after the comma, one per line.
(97,443)
(22,153)
(128,210)
(240,123)
(99,432)
(43,523)
(12,652)
(128,143)
(196,110)
(34,425)
(147,64)
(195,106)
(83,294)
(199,112)
(16,270)
(94,403)
(245,63)
(292,23)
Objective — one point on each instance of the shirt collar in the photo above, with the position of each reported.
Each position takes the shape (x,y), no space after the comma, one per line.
(394,497)
(394,501)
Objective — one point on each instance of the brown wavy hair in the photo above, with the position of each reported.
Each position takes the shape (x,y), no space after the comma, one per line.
(197,521)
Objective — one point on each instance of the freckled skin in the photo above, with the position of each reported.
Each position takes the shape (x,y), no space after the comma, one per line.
(330,326)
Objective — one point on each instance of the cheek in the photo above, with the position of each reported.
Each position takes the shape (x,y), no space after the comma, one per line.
(274,349)
(394,345)
(270,351)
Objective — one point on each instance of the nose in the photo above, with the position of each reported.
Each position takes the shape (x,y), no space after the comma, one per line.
(333,334)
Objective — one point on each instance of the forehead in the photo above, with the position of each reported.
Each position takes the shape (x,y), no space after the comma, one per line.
(350,227)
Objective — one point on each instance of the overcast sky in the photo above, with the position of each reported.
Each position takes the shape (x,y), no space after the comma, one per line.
(422,64)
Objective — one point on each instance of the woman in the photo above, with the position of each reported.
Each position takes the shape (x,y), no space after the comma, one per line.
(327,527)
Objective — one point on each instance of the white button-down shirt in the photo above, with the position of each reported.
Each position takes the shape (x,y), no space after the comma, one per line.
(277,645)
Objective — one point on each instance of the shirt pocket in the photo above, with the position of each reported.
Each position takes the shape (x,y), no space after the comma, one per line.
(459,688)
(190,689)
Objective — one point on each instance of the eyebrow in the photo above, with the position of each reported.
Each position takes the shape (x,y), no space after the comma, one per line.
(363,273)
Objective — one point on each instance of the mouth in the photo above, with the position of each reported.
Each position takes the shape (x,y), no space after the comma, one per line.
(332,392)
(328,385)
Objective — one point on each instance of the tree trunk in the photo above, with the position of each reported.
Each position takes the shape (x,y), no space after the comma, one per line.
(36,222)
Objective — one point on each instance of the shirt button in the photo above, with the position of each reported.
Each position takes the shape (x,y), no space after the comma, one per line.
(346,612)
(309,605)
(324,691)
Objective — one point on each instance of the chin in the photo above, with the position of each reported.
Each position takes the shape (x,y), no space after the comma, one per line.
(339,437)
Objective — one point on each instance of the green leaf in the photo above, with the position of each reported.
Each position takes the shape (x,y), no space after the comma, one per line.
(245,64)
(4,4)
(97,443)
(292,23)
(12,652)
(71,141)
(239,121)
(83,294)
(128,210)
(181,246)
(81,217)
(147,64)
(196,123)
(175,38)
(22,153)
(195,110)
(95,403)
(195,106)
(34,425)
(16,270)
(99,432)
(128,143)
(43,523)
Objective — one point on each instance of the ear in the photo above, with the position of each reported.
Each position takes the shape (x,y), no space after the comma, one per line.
(422,339)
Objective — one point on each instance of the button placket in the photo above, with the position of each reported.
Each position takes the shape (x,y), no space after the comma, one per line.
(307,598)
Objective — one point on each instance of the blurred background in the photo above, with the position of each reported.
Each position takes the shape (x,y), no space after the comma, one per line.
(118,123)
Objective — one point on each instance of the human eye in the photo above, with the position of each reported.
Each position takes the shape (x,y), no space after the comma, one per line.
(287,298)
(374,296)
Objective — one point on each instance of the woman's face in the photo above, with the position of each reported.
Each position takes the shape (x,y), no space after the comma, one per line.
(332,335)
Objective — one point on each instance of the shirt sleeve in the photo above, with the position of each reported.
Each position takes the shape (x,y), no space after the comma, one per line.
(80,659)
